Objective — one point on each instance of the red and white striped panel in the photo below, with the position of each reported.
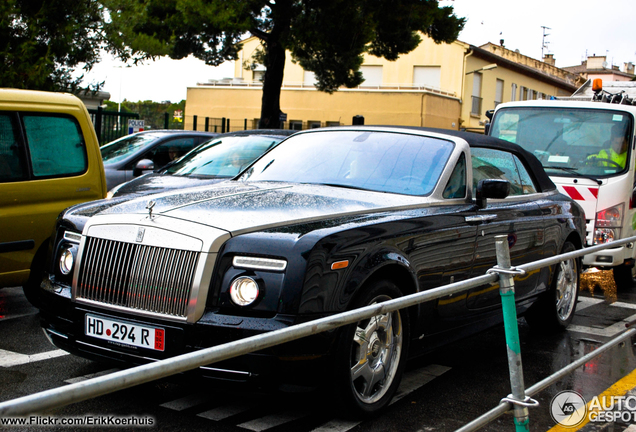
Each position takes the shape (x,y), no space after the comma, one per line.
(580,193)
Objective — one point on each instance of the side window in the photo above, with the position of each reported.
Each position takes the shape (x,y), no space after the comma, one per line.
(456,187)
(496,164)
(169,151)
(12,166)
(527,185)
(56,145)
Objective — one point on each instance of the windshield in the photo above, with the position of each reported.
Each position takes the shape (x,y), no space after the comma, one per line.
(119,149)
(569,141)
(224,157)
(376,161)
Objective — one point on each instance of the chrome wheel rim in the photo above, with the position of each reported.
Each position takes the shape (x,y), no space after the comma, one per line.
(566,286)
(375,354)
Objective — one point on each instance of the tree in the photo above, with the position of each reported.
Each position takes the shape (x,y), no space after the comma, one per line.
(153,113)
(327,37)
(43,43)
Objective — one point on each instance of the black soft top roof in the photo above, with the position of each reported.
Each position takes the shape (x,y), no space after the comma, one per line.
(478,140)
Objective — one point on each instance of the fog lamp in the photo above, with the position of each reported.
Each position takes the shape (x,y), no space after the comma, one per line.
(244,291)
(67,259)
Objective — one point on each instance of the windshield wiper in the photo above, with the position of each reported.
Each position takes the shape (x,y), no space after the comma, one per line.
(344,186)
(574,171)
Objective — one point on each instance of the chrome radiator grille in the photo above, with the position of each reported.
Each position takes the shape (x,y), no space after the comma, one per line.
(135,276)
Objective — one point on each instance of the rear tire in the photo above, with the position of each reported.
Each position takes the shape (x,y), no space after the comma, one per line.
(624,276)
(555,309)
(371,355)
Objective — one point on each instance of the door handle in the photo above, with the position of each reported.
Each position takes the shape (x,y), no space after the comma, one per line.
(480,218)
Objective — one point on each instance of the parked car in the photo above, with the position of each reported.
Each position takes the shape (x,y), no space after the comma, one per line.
(36,184)
(327,221)
(142,152)
(216,160)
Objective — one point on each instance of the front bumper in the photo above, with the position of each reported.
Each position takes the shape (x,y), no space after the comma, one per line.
(63,323)
(608,257)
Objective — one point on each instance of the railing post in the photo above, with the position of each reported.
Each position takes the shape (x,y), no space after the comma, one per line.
(194,123)
(507,292)
(98,125)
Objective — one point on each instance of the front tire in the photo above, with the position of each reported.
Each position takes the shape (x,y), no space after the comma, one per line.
(555,310)
(371,355)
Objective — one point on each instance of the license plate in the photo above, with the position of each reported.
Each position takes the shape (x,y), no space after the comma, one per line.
(124,332)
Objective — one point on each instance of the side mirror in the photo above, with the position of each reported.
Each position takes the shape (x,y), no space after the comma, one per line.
(490,114)
(143,165)
(487,128)
(491,188)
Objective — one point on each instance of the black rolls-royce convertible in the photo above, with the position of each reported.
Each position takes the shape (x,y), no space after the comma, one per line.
(329,220)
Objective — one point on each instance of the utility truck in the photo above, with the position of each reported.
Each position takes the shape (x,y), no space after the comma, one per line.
(586,145)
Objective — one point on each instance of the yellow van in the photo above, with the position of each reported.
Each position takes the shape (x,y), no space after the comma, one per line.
(49,160)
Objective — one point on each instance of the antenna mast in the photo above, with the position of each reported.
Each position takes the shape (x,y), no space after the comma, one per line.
(544,44)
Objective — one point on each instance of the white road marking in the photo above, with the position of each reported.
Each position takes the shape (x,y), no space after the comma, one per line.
(610,331)
(270,421)
(586,302)
(412,381)
(624,305)
(223,412)
(337,425)
(89,376)
(9,358)
(416,379)
(186,402)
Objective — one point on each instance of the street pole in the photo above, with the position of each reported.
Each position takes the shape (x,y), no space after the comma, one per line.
(507,291)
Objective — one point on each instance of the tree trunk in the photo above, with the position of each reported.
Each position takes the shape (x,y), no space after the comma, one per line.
(272,83)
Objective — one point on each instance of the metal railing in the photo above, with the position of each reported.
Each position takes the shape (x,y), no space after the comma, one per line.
(110,125)
(62,396)
(292,85)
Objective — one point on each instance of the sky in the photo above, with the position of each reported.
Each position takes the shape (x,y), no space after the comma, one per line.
(575,29)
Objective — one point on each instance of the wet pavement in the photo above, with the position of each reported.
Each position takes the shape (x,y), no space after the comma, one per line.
(441,391)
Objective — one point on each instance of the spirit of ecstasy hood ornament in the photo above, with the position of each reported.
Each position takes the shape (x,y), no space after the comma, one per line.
(150,206)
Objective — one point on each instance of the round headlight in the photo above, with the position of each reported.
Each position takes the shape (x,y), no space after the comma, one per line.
(67,259)
(244,291)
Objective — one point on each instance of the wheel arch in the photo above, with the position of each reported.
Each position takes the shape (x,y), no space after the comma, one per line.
(402,277)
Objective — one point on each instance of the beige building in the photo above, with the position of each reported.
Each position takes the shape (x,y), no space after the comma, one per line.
(447,86)
(598,67)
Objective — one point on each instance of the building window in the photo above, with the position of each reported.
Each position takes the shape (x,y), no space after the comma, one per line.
(475,108)
(499,92)
(309,79)
(332,123)
(513,96)
(313,124)
(523,93)
(296,125)
(259,76)
(427,76)
(372,75)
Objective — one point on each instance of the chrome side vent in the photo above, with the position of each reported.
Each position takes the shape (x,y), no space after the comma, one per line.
(147,278)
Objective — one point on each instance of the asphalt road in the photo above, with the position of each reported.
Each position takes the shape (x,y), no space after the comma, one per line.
(440,392)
